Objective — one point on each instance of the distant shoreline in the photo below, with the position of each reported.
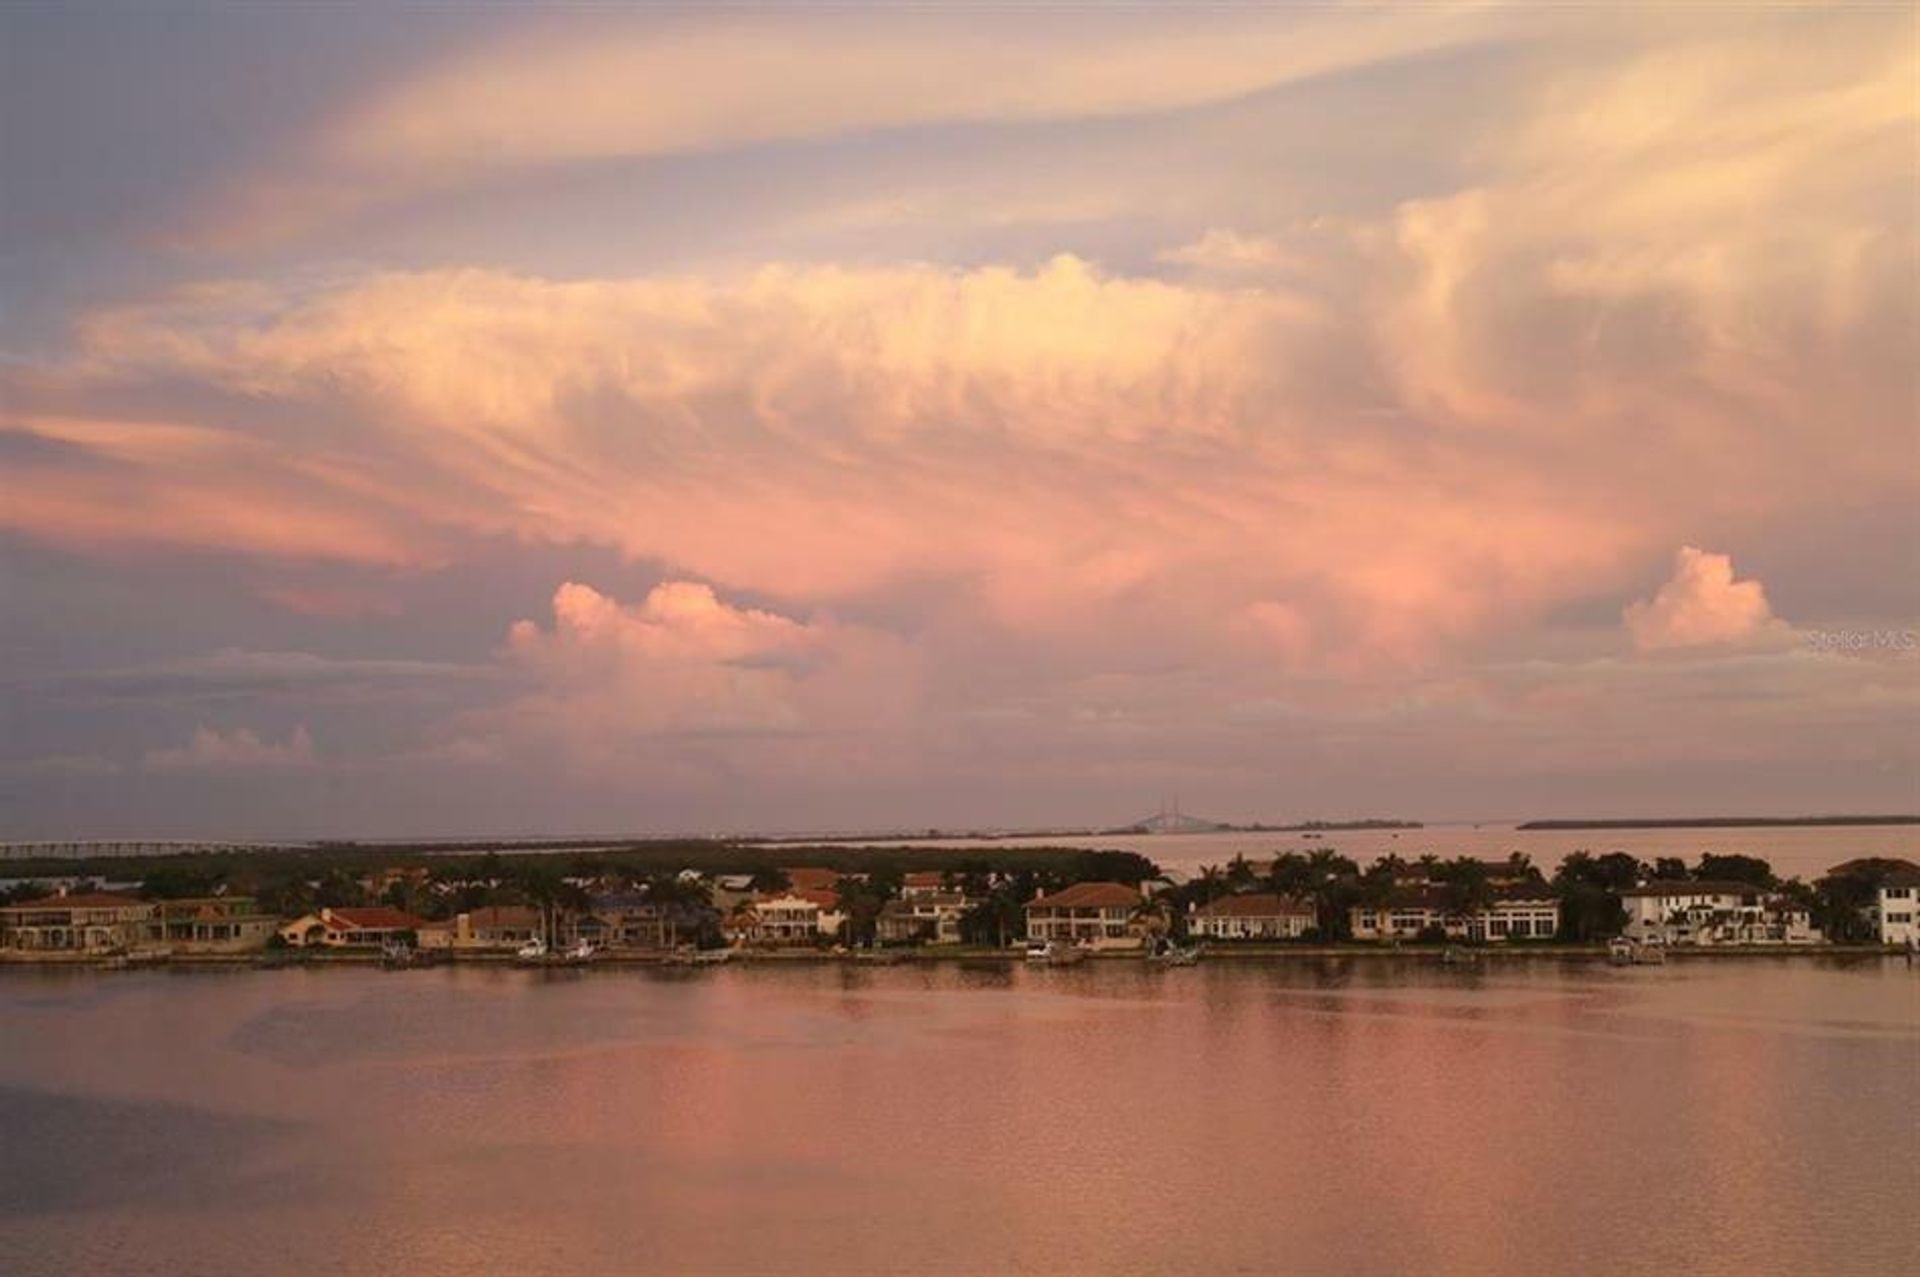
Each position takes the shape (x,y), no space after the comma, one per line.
(1722,822)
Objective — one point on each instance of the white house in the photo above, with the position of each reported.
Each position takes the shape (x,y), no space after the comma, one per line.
(786,919)
(1704,913)
(1897,909)
(1262,915)
(1517,911)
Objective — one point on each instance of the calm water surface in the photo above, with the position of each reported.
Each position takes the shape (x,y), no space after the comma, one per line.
(1357,1116)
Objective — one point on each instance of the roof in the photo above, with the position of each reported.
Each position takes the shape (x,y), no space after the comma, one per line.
(951,899)
(812,878)
(503,916)
(789,898)
(1694,887)
(1874,864)
(1087,895)
(1256,904)
(83,900)
(1437,898)
(924,878)
(373,918)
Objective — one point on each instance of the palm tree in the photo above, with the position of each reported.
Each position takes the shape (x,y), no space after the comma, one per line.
(1151,915)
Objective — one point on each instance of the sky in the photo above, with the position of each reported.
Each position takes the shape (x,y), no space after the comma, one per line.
(452,419)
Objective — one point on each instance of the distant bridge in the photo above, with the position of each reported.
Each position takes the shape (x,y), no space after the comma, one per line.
(88,849)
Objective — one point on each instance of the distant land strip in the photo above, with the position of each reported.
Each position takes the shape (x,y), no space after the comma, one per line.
(1725,822)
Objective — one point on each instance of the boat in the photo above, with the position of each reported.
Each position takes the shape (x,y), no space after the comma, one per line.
(1455,957)
(1650,955)
(532,953)
(1054,953)
(397,956)
(1620,951)
(580,952)
(1165,953)
(697,957)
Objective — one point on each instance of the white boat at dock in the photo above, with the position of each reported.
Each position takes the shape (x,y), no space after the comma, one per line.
(1624,952)
(1054,953)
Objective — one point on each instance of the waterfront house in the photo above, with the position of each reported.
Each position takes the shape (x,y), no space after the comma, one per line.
(635,920)
(787,918)
(349,928)
(1700,912)
(1897,909)
(1259,915)
(80,922)
(496,927)
(1100,915)
(211,924)
(1523,910)
(929,918)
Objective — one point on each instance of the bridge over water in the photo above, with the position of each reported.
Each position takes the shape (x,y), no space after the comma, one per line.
(87,849)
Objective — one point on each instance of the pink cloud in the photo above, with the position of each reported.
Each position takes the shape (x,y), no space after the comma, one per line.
(1700,604)
(607,677)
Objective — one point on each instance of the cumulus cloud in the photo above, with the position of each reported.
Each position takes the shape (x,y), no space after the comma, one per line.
(238,750)
(685,663)
(1219,425)
(1060,442)
(1700,604)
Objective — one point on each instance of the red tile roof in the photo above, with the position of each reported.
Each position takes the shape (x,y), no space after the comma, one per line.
(1088,895)
(925,878)
(496,916)
(812,877)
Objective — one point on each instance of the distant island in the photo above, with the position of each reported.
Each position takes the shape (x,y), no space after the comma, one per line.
(1176,822)
(1724,822)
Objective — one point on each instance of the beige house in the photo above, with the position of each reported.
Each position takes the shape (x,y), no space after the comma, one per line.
(930,917)
(1261,915)
(351,927)
(787,919)
(212,924)
(1099,915)
(82,922)
(495,927)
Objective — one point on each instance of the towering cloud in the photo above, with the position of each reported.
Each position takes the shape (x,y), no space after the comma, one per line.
(1700,604)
